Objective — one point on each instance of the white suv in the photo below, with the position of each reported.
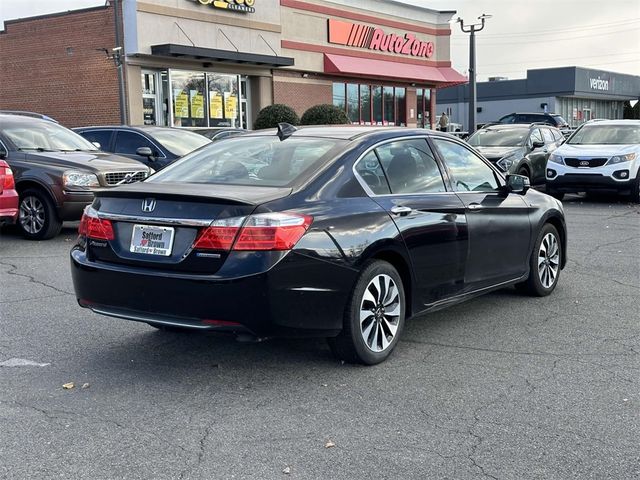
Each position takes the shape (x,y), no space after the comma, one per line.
(599,156)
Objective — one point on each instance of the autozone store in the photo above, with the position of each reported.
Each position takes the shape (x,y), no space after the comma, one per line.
(217,63)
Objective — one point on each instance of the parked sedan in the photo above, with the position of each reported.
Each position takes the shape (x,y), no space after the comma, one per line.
(600,156)
(521,149)
(218,133)
(344,233)
(154,146)
(8,195)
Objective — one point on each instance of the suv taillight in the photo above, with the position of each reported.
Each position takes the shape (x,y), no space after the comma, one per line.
(265,231)
(93,227)
(6,176)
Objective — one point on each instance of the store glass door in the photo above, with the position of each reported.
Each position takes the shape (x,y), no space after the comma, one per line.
(151,99)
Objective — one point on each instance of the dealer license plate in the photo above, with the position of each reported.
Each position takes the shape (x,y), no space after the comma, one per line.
(152,240)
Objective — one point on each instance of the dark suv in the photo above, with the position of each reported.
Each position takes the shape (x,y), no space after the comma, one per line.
(552,119)
(521,149)
(56,171)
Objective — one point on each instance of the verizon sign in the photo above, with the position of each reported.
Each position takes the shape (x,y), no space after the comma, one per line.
(599,84)
(373,38)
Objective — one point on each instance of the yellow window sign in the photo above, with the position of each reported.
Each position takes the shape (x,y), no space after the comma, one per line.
(197,106)
(230,107)
(181,105)
(215,105)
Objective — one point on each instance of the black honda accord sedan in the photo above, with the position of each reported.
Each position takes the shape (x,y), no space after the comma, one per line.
(339,232)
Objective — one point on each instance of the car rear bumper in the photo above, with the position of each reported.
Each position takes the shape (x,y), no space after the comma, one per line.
(299,296)
(8,207)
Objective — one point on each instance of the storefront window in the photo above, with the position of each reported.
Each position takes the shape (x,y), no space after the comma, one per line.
(339,95)
(365,104)
(188,99)
(424,107)
(353,103)
(371,104)
(401,107)
(223,100)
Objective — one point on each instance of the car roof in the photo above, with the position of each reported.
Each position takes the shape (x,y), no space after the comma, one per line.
(600,122)
(147,128)
(22,119)
(351,132)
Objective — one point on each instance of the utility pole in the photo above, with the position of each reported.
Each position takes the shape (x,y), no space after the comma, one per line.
(472,29)
(118,59)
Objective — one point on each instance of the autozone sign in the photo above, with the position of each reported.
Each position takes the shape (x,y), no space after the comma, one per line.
(373,38)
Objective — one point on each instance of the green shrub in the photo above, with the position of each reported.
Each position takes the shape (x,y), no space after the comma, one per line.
(271,116)
(325,115)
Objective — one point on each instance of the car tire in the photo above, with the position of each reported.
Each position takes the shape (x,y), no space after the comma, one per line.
(544,264)
(525,173)
(378,291)
(555,194)
(634,196)
(37,217)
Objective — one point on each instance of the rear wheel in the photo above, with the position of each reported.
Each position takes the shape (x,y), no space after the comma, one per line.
(374,317)
(37,216)
(544,264)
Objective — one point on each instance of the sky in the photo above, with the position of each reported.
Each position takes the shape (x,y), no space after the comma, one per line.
(521,35)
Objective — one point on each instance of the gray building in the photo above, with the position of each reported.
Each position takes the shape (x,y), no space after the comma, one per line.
(578,94)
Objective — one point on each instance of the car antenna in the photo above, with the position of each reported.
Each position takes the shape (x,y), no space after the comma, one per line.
(285,130)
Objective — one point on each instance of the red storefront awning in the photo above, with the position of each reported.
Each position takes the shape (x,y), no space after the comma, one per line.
(408,72)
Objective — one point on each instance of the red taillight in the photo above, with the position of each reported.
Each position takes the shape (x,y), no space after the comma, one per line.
(93,227)
(8,182)
(266,231)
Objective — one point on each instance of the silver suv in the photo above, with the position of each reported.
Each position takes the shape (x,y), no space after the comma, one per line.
(599,156)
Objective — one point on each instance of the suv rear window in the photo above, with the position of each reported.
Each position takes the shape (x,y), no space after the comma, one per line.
(260,160)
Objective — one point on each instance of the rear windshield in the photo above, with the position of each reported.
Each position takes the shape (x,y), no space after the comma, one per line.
(179,142)
(503,137)
(261,161)
(559,120)
(606,135)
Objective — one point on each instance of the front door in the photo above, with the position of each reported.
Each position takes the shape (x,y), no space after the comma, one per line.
(405,180)
(498,222)
(151,114)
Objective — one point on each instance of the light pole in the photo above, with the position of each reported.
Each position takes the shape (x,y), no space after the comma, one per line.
(472,29)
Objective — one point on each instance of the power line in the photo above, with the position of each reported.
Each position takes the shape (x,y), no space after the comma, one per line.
(561,30)
(543,40)
(564,58)
(500,72)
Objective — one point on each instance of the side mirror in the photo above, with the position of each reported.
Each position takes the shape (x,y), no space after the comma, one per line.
(537,144)
(97,145)
(518,184)
(144,152)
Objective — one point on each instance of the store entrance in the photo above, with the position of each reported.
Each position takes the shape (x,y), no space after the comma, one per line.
(151,99)
(423,110)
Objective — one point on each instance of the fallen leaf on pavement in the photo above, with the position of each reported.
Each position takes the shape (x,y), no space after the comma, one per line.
(329,444)
(85,385)
(68,386)
(287,470)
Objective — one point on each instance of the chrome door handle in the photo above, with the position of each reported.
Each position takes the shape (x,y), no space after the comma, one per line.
(401,210)
(475,206)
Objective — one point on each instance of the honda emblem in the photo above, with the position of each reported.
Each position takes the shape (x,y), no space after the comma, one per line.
(148,204)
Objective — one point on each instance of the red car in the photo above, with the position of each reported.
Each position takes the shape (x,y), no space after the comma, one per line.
(8,195)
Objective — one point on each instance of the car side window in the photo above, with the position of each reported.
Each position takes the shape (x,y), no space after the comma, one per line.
(410,167)
(536,136)
(103,137)
(508,119)
(548,136)
(557,134)
(129,142)
(468,171)
(370,171)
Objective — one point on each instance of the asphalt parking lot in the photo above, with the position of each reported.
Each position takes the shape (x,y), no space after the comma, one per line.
(504,386)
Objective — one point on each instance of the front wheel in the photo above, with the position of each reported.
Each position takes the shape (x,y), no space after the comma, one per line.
(635,190)
(37,215)
(374,318)
(544,264)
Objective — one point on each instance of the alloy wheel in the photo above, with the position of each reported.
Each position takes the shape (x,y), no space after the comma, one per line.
(32,214)
(380,313)
(548,260)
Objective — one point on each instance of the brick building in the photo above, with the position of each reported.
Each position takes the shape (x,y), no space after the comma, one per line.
(217,63)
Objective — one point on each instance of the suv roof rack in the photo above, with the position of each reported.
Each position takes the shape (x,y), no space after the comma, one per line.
(29,114)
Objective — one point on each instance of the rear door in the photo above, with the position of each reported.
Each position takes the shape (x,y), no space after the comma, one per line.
(404,178)
(102,136)
(498,222)
(537,156)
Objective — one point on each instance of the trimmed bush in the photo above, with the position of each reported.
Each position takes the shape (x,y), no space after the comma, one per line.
(325,115)
(271,116)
